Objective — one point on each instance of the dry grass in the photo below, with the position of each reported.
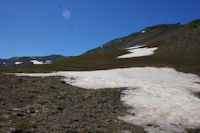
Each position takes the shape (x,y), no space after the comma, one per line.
(187,61)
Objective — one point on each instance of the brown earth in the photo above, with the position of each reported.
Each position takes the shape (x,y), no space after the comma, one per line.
(30,104)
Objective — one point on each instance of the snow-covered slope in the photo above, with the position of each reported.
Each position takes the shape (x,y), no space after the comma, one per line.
(137,51)
(162,99)
(27,61)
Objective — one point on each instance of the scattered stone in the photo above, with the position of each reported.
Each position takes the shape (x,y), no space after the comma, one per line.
(59,108)
(60,97)
(76,120)
(32,110)
(149,125)
(12,130)
(16,109)
(63,82)
(6,116)
(197,94)
(63,93)
(20,114)
(67,105)
(193,130)
(126,131)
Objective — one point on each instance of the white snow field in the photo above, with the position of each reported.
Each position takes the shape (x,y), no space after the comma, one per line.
(37,62)
(135,47)
(143,31)
(137,51)
(48,62)
(41,62)
(18,63)
(161,99)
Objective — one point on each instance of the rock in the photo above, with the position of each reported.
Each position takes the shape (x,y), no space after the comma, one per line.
(63,82)
(12,130)
(59,108)
(197,94)
(52,87)
(76,120)
(20,114)
(193,130)
(32,111)
(6,116)
(60,97)
(16,109)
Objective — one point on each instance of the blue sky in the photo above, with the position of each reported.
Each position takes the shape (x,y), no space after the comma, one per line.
(71,27)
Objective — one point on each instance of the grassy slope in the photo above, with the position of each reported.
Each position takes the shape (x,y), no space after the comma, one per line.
(186,61)
(153,34)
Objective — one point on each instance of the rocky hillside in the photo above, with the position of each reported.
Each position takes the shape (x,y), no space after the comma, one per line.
(27,61)
(169,38)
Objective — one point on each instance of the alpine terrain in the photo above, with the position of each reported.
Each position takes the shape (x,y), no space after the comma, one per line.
(144,82)
(27,61)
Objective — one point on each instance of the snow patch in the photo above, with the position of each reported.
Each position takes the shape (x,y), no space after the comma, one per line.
(135,47)
(126,131)
(138,52)
(48,62)
(18,63)
(37,62)
(161,98)
(143,31)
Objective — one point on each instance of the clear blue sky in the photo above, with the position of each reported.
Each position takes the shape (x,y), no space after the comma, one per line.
(71,27)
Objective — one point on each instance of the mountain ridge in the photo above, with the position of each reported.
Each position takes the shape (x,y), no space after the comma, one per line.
(166,34)
(28,61)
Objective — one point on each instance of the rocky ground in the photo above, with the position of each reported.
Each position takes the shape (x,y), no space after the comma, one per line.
(29,104)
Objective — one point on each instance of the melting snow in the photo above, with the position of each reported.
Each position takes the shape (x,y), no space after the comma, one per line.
(136,51)
(135,47)
(17,63)
(36,62)
(48,62)
(161,98)
(143,31)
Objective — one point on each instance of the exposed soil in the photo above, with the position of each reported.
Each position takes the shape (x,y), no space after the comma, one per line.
(47,104)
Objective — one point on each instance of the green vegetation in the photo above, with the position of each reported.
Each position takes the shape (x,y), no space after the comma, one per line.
(187,61)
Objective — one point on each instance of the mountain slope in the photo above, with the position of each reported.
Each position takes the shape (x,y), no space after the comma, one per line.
(27,61)
(178,47)
(170,38)
(158,99)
